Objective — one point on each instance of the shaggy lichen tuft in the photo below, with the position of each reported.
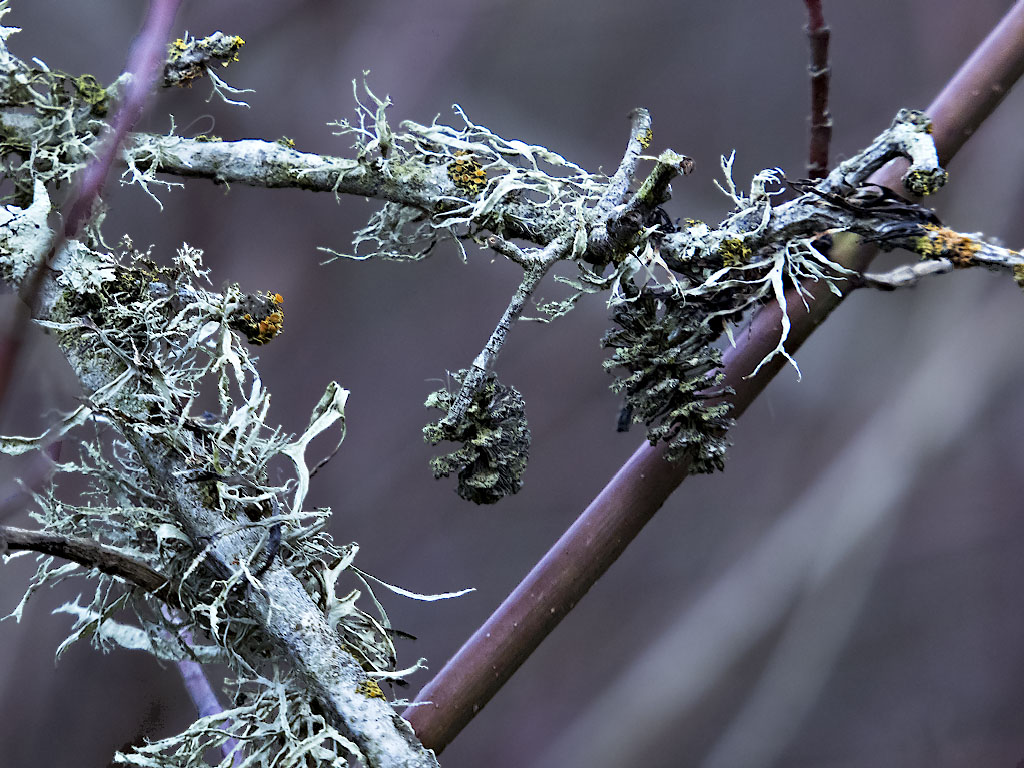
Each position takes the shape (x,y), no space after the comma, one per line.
(670,376)
(495,440)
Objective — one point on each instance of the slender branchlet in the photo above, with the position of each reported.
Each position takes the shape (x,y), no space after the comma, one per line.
(90,554)
(818,35)
(538,264)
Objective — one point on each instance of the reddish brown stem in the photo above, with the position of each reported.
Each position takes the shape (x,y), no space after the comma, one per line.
(821,121)
(640,487)
(815,18)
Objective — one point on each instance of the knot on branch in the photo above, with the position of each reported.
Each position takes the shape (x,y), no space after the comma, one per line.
(259,317)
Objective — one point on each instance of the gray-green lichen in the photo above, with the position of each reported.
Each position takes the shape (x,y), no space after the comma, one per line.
(494,438)
(24,237)
(670,378)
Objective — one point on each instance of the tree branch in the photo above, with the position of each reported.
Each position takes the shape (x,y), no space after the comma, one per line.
(489,658)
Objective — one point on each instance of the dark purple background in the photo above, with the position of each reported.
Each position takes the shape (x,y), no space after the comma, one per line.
(931,673)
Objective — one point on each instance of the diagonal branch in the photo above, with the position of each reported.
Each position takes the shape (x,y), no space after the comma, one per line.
(563,576)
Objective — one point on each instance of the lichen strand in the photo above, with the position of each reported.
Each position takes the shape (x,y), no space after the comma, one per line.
(495,440)
(941,243)
(671,384)
(479,181)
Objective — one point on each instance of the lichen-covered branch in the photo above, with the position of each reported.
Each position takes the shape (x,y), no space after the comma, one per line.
(945,250)
(694,281)
(639,488)
(465,184)
(188,494)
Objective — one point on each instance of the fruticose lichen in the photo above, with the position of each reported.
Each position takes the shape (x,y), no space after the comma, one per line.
(494,436)
(670,376)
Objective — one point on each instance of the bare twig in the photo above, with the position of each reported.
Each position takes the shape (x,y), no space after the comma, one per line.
(539,264)
(91,554)
(820,70)
(640,137)
(488,658)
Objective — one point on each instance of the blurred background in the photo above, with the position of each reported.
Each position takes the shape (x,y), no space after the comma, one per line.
(847,593)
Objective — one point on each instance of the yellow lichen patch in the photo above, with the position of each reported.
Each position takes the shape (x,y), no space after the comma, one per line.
(94,94)
(284,141)
(466,173)
(646,138)
(1018,275)
(942,243)
(925,181)
(370,689)
(734,252)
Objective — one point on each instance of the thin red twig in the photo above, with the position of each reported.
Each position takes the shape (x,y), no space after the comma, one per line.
(554,586)
(821,120)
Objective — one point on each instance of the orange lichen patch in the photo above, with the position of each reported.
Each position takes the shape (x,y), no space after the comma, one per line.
(260,317)
(370,689)
(466,173)
(942,243)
